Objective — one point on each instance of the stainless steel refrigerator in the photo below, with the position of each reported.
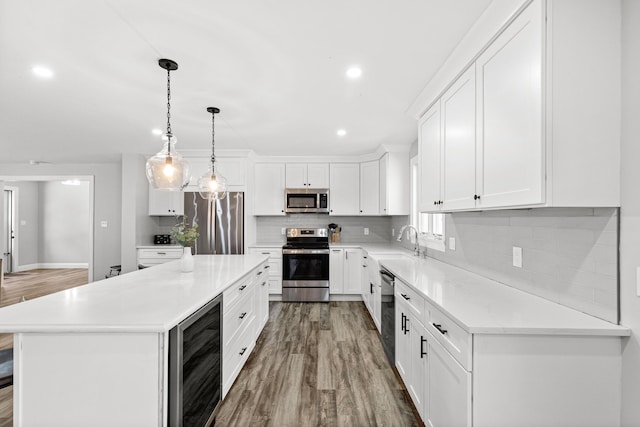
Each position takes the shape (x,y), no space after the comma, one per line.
(220,223)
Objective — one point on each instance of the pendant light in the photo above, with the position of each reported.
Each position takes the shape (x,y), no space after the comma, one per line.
(167,170)
(212,185)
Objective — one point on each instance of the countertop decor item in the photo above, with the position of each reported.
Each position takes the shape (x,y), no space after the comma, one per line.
(212,185)
(167,170)
(185,235)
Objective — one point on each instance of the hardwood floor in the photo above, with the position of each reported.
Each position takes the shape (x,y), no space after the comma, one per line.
(31,284)
(317,365)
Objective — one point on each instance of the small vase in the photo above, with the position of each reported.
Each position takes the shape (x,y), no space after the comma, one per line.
(186,261)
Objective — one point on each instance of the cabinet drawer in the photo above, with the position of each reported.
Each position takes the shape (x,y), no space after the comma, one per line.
(236,354)
(275,252)
(236,317)
(236,292)
(456,340)
(169,253)
(275,286)
(413,299)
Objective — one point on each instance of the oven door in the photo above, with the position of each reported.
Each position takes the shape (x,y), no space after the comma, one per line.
(305,268)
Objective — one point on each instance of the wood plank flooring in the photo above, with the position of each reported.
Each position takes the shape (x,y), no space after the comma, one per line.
(317,364)
(31,284)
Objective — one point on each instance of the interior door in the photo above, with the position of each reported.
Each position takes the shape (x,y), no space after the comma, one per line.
(7,244)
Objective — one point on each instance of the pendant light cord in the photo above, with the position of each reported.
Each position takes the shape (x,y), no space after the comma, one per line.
(213,142)
(169,134)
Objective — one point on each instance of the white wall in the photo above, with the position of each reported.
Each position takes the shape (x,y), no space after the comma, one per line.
(630,210)
(138,227)
(64,210)
(107,203)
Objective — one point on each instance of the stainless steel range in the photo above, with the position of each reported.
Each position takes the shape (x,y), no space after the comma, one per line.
(305,265)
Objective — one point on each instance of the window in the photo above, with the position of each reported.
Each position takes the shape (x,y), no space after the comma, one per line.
(431,225)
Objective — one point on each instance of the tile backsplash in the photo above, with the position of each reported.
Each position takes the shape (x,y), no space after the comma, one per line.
(269,228)
(570,255)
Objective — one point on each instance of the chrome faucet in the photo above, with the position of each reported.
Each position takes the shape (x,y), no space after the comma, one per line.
(416,249)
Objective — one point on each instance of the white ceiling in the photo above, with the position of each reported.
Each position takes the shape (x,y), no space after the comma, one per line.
(276,69)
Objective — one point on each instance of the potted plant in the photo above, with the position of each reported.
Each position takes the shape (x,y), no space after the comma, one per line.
(185,235)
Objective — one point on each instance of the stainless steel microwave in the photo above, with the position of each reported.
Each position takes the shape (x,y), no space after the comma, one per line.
(306,200)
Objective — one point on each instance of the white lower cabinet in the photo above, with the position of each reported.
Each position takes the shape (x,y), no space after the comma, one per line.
(274,281)
(245,312)
(345,266)
(449,390)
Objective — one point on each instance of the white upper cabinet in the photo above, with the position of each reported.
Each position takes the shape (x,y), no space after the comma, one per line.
(307,175)
(458,116)
(269,185)
(165,203)
(344,189)
(518,128)
(509,105)
(429,159)
(234,169)
(394,183)
(370,188)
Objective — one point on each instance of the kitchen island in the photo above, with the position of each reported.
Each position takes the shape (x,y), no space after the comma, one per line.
(98,354)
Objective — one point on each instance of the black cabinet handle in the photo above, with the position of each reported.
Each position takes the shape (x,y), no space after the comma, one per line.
(243,315)
(406,324)
(402,322)
(435,202)
(264,283)
(423,353)
(243,287)
(259,273)
(265,253)
(405,297)
(439,328)
(243,350)
(267,266)
(370,287)
(476,197)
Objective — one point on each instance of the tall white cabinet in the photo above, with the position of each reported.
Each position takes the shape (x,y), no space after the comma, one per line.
(269,185)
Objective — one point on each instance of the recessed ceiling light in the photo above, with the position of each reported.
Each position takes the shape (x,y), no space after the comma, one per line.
(157,132)
(354,72)
(42,72)
(341,132)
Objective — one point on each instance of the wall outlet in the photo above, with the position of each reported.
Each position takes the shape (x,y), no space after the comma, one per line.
(366,231)
(283,231)
(23,222)
(517,257)
(452,243)
(104,224)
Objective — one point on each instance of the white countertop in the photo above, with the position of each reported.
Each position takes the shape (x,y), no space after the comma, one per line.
(154,299)
(481,305)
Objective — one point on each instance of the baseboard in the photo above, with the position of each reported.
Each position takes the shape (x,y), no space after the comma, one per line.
(27,267)
(53,265)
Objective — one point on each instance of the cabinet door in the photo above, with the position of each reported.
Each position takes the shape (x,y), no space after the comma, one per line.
(449,389)
(384,185)
(352,271)
(344,189)
(336,271)
(459,143)
(268,188)
(166,203)
(234,169)
(318,175)
(296,175)
(418,353)
(370,188)
(429,158)
(403,328)
(262,302)
(510,170)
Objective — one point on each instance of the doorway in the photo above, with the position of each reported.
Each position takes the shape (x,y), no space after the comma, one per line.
(9,227)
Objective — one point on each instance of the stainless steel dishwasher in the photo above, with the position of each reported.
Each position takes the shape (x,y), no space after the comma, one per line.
(388,315)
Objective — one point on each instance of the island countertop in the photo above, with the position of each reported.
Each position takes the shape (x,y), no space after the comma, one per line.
(150,300)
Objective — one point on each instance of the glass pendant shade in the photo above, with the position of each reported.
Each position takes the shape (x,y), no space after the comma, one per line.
(212,185)
(167,170)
